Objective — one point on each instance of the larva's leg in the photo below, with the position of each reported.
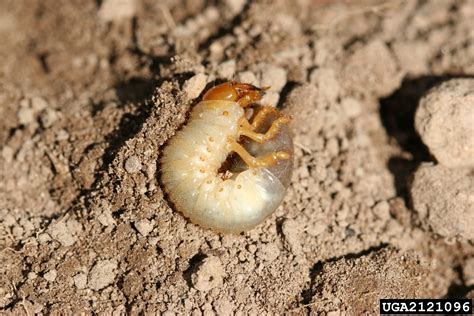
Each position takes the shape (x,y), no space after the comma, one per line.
(247,129)
(260,116)
(255,162)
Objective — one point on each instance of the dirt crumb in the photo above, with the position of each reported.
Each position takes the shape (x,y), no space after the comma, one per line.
(65,231)
(412,56)
(327,84)
(111,10)
(468,272)
(372,69)
(102,274)
(470,295)
(224,307)
(51,275)
(275,78)
(209,275)
(144,226)
(25,116)
(80,280)
(133,164)
(291,233)
(226,70)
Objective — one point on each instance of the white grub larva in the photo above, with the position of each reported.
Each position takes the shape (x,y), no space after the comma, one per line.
(251,187)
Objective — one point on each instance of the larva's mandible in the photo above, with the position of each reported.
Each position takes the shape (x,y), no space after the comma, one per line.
(253,186)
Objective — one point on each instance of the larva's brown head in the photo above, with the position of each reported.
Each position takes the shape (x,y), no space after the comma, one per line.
(243,93)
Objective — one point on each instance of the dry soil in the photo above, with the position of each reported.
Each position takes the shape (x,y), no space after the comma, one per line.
(91,90)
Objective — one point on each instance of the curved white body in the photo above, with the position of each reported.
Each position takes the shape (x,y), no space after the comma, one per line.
(190,165)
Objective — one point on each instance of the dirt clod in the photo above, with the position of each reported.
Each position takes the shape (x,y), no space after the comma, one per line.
(51,275)
(402,277)
(445,122)
(444,199)
(102,274)
(195,85)
(65,231)
(372,69)
(80,280)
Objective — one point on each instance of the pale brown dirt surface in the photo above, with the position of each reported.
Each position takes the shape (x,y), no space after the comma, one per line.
(91,90)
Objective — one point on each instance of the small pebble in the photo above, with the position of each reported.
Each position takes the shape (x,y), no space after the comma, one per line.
(351,107)
(274,77)
(106,218)
(133,164)
(102,274)
(64,232)
(25,115)
(7,154)
(235,6)
(48,117)
(51,275)
(224,307)
(144,226)
(226,70)
(468,272)
(270,98)
(44,238)
(9,220)
(332,147)
(80,280)
(247,77)
(382,210)
(62,135)
(25,103)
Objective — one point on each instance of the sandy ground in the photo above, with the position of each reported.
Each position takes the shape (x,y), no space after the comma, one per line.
(377,208)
